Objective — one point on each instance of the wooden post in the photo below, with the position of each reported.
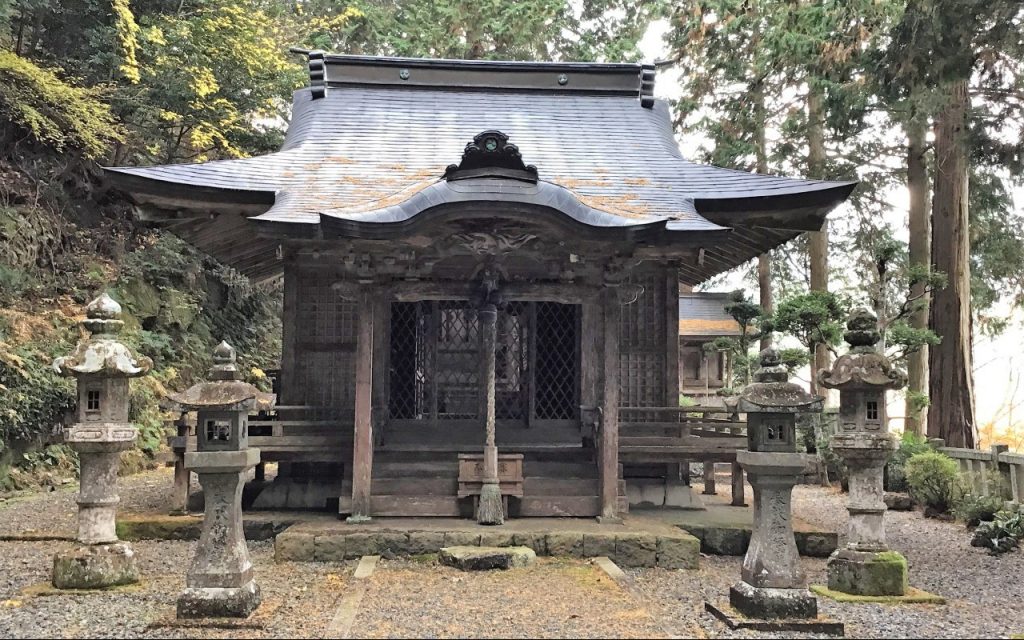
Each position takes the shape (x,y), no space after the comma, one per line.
(362,448)
(490,509)
(671,336)
(737,486)
(610,411)
(709,479)
(182,479)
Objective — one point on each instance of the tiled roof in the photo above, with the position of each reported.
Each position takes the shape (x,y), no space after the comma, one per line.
(703,314)
(376,151)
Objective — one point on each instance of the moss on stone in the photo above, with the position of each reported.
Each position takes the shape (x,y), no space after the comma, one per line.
(868,574)
(912,596)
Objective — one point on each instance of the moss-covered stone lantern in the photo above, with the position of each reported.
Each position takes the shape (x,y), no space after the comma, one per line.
(773,585)
(862,376)
(101,366)
(219,582)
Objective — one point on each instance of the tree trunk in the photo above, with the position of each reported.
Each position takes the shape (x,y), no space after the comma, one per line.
(817,240)
(951,413)
(920,232)
(764,262)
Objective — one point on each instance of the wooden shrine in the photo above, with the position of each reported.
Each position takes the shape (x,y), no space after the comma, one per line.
(410,194)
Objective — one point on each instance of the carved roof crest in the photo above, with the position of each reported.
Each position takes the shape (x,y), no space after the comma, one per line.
(491,155)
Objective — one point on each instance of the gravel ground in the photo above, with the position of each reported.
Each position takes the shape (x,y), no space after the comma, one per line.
(984,593)
(552,599)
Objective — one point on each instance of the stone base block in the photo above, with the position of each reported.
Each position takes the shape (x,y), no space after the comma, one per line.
(678,553)
(95,567)
(735,620)
(868,574)
(755,602)
(484,558)
(215,602)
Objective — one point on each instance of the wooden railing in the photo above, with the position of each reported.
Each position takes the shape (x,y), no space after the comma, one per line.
(652,435)
(995,469)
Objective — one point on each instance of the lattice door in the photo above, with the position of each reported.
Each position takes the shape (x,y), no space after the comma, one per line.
(325,346)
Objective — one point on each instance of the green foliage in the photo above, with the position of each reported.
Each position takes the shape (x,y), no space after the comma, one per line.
(812,318)
(34,102)
(910,444)
(975,509)
(1002,534)
(934,481)
(33,398)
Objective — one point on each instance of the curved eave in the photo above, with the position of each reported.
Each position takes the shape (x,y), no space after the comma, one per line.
(171,194)
(804,210)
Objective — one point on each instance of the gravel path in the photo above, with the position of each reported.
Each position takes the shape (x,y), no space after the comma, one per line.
(555,598)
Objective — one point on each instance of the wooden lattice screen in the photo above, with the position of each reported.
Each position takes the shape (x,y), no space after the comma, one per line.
(325,345)
(642,344)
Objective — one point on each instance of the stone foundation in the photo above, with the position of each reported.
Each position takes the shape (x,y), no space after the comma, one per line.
(766,603)
(868,574)
(95,567)
(215,602)
(486,558)
(625,549)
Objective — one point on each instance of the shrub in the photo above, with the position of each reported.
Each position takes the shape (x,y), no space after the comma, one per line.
(1001,535)
(895,471)
(934,481)
(975,509)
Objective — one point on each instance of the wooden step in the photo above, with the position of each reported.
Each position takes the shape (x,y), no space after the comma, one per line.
(559,506)
(416,506)
(548,486)
(559,469)
(411,486)
(433,468)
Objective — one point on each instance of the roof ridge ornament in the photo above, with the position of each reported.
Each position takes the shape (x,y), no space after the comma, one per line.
(648,73)
(491,155)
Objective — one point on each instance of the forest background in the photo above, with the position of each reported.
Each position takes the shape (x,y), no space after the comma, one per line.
(920,100)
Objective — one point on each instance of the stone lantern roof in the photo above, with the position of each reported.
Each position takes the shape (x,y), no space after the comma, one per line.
(101,354)
(771,391)
(225,390)
(864,368)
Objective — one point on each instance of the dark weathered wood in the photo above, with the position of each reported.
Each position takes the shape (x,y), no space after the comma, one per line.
(182,480)
(419,506)
(610,408)
(289,323)
(709,479)
(472,474)
(381,364)
(738,498)
(362,457)
(671,335)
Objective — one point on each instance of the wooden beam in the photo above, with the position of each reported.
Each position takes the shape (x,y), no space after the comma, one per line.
(362,453)
(290,393)
(610,409)
(381,361)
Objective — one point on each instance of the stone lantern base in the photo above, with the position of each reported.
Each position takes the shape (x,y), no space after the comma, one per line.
(219,602)
(768,603)
(866,573)
(95,567)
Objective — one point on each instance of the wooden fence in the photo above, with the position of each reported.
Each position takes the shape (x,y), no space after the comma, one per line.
(994,469)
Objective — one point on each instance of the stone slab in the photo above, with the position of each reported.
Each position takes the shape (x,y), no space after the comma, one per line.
(678,552)
(735,620)
(214,602)
(772,604)
(134,527)
(912,596)
(95,567)
(295,547)
(867,574)
(635,550)
(598,544)
(733,541)
(565,544)
(486,558)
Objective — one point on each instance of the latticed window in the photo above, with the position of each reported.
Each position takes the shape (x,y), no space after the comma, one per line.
(436,361)
(642,344)
(326,337)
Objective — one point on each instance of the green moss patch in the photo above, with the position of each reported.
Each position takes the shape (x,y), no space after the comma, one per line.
(912,596)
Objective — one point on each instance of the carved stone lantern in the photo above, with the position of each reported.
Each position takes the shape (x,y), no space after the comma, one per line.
(862,376)
(219,582)
(101,366)
(773,585)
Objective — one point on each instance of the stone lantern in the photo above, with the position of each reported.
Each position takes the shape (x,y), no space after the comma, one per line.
(101,366)
(862,376)
(773,585)
(219,582)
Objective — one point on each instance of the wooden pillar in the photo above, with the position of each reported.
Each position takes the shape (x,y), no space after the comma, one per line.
(610,410)
(709,479)
(737,486)
(488,336)
(362,448)
(671,335)
(182,480)
(381,362)
(591,336)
